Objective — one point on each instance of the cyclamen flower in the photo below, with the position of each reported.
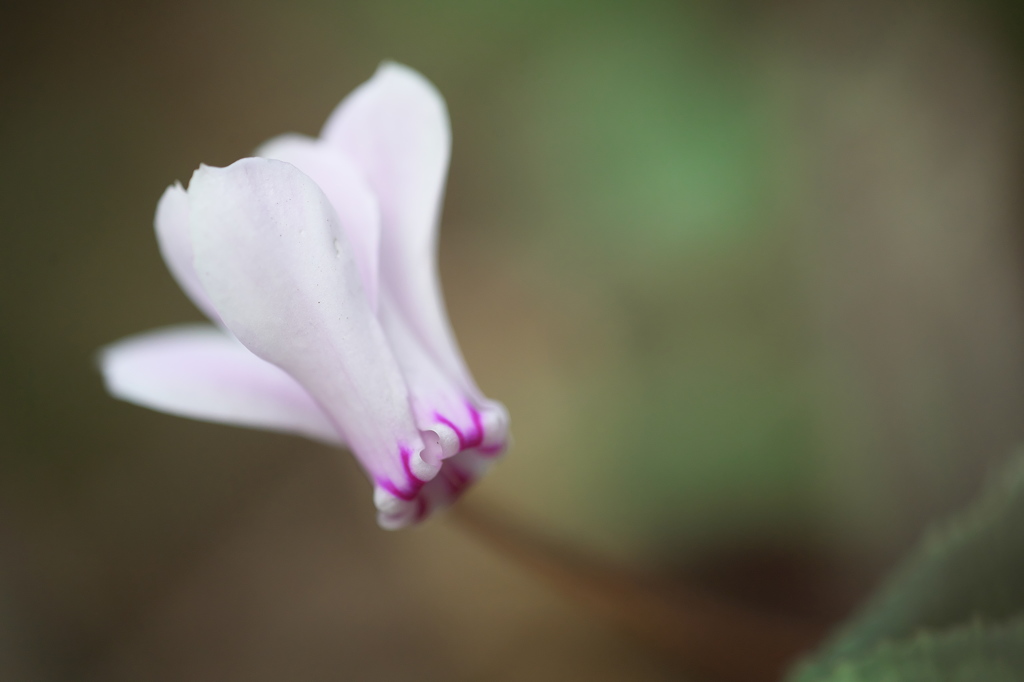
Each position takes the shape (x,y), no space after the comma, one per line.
(316,260)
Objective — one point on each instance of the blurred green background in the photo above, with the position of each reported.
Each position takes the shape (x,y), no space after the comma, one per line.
(747,275)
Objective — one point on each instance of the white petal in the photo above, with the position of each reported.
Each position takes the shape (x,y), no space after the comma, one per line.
(460,421)
(395,127)
(347,191)
(457,474)
(198,371)
(175,241)
(272,258)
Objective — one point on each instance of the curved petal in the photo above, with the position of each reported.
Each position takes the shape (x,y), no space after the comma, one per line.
(347,191)
(395,127)
(272,258)
(459,421)
(198,371)
(454,477)
(466,436)
(175,242)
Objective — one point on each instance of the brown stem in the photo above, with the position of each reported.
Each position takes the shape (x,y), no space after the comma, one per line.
(710,636)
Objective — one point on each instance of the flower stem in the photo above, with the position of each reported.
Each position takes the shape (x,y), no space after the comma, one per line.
(710,636)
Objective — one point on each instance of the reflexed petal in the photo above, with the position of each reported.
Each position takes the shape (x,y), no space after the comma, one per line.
(172,234)
(272,258)
(455,476)
(198,371)
(395,126)
(348,193)
(439,404)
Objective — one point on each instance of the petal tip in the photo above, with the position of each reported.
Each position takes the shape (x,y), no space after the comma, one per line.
(393,512)
(425,465)
(407,78)
(390,67)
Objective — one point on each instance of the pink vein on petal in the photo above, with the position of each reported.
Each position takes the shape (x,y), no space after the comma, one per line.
(415,483)
(466,442)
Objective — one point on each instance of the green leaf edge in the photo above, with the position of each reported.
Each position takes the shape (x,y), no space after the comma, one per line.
(974,651)
(898,610)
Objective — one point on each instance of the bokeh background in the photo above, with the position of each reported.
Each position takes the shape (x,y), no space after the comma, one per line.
(747,275)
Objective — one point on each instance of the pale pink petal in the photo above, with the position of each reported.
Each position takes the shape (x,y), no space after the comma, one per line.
(199,371)
(440,405)
(271,256)
(455,476)
(175,241)
(395,126)
(347,191)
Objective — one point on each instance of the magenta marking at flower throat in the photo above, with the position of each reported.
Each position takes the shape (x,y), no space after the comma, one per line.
(415,482)
(456,479)
(477,438)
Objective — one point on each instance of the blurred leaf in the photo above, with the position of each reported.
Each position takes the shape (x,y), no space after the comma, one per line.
(970,568)
(653,127)
(962,654)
